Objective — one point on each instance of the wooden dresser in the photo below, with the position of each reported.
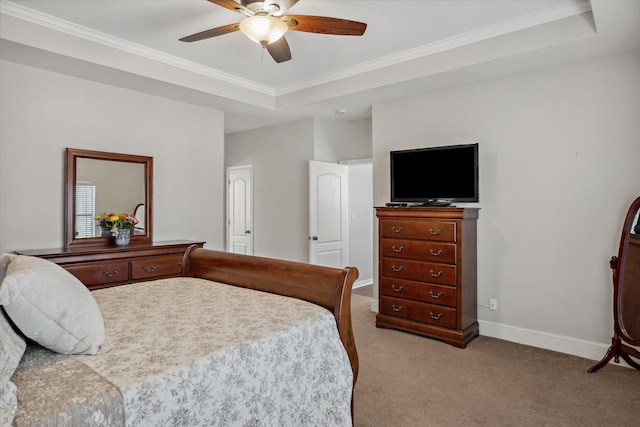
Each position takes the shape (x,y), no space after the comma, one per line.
(102,267)
(427,272)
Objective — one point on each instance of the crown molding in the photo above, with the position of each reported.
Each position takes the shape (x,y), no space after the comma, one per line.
(48,21)
(522,23)
(546,16)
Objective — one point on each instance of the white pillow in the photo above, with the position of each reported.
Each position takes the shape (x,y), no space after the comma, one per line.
(51,306)
(12,348)
(5,259)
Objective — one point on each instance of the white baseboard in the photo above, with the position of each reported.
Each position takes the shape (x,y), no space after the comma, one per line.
(362,282)
(563,344)
(560,343)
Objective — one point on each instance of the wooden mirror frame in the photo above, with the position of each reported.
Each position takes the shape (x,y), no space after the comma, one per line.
(72,154)
(620,265)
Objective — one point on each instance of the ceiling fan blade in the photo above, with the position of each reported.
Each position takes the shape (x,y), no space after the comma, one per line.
(284,5)
(279,50)
(207,34)
(325,25)
(231,5)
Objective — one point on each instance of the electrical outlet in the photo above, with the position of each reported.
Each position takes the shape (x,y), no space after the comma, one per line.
(493,304)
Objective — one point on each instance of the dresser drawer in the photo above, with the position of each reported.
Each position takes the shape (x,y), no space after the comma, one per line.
(99,274)
(420,312)
(424,251)
(159,266)
(418,230)
(441,274)
(434,294)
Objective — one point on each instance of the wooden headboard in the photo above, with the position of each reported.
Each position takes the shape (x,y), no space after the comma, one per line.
(324,286)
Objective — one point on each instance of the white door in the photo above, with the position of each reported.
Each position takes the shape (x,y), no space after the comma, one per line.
(328,210)
(240,209)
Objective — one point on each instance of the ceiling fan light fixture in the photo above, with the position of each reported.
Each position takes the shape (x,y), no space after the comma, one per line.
(263,29)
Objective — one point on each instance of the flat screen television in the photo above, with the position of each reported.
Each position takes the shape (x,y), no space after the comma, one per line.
(435,175)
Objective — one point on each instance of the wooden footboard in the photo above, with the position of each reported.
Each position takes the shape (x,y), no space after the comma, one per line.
(324,286)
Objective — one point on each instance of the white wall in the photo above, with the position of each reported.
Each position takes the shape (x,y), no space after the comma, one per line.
(354,139)
(361,215)
(42,112)
(337,141)
(559,152)
(280,156)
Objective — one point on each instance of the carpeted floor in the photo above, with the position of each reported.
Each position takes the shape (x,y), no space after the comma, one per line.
(408,380)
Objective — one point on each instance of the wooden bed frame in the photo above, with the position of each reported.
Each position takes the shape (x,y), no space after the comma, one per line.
(324,286)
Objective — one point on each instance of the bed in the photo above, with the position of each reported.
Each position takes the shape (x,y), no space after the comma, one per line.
(237,340)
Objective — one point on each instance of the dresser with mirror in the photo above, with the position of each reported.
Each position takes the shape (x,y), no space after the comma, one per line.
(111,182)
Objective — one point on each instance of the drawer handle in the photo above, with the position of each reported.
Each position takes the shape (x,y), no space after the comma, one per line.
(433,253)
(397,289)
(107,274)
(435,316)
(394,249)
(148,269)
(397,269)
(436,296)
(397,230)
(438,274)
(435,233)
(394,308)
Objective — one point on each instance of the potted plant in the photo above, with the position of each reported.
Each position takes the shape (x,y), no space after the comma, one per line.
(123,222)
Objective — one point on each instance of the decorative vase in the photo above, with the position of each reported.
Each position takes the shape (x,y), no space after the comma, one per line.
(105,232)
(123,237)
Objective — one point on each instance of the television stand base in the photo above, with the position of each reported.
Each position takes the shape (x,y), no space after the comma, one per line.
(435,203)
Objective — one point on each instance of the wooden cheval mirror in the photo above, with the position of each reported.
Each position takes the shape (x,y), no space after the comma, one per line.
(626,294)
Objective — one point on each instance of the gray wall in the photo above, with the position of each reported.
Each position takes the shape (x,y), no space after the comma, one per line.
(338,141)
(559,154)
(43,112)
(279,155)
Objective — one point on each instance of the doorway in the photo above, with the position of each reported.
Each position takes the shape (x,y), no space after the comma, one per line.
(341,216)
(328,213)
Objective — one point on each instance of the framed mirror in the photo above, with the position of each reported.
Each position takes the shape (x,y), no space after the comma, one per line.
(629,280)
(97,182)
(626,294)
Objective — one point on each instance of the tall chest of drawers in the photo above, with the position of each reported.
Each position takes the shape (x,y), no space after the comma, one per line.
(427,272)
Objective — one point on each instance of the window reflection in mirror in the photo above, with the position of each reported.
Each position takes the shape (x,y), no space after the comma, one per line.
(116,187)
(85,209)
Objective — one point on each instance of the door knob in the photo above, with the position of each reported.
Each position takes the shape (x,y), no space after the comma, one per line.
(247,232)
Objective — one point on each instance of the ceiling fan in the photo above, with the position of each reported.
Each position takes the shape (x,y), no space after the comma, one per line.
(266,24)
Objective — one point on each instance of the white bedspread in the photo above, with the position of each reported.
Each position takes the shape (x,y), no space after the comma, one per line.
(192,352)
